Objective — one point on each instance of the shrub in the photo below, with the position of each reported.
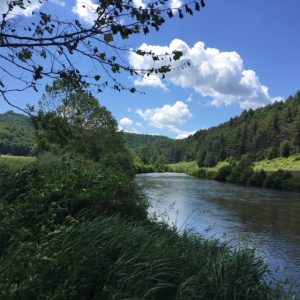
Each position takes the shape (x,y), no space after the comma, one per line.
(223,173)
(276,179)
(257,178)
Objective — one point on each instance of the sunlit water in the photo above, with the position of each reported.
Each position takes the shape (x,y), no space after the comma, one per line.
(266,219)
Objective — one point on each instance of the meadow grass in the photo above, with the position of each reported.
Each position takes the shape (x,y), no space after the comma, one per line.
(291,163)
(191,167)
(15,162)
(111,258)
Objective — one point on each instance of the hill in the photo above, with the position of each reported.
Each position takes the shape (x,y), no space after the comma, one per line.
(16,134)
(265,133)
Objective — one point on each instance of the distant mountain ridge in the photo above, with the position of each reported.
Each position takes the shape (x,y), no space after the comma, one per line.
(16,134)
(267,132)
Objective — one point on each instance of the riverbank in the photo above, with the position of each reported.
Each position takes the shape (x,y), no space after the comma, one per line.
(74,228)
(258,174)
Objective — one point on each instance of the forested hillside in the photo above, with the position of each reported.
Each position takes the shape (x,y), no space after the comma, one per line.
(16,134)
(267,132)
(150,148)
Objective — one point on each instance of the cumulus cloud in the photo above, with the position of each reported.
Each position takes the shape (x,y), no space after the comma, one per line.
(86,10)
(212,73)
(126,122)
(127,125)
(27,12)
(167,117)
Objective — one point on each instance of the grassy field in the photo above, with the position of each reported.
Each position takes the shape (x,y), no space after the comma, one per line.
(291,163)
(15,162)
(191,167)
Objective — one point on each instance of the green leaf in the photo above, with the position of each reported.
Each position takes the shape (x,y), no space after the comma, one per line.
(124,36)
(108,37)
(177,54)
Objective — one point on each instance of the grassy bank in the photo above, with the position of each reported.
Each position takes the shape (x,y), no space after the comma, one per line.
(280,173)
(191,167)
(15,162)
(72,229)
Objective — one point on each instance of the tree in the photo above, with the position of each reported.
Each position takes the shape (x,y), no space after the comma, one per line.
(77,122)
(48,47)
(285,149)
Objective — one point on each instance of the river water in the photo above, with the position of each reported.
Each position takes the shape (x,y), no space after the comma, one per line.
(266,219)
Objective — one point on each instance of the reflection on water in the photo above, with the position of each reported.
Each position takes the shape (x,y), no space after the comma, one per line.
(266,219)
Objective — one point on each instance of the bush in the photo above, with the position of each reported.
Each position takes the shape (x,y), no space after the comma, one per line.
(223,173)
(257,178)
(201,173)
(292,184)
(276,180)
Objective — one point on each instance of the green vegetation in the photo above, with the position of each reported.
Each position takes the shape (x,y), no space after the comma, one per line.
(15,162)
(242,172)
(16,134)
(291,163)
(111,258)
(73,224)
(266,133)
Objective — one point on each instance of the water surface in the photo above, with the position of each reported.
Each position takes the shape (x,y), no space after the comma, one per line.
(266,219)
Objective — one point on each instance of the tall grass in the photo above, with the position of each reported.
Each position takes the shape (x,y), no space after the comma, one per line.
(109,258)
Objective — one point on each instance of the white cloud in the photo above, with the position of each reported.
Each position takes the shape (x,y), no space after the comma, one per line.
(190,98)
(184,134)
(138,124)
(126,122)
(86,10)
(58,2)
(127,125)
(174,4)
(212,73)
(27,12)
(139,3)
(167,117)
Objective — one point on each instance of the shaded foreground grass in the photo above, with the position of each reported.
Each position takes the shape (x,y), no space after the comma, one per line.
(110,258)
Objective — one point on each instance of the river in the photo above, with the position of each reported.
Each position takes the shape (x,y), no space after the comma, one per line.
(266,219)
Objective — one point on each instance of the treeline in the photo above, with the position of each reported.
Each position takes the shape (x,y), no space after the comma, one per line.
(150,149)
(267,132)
(16,134)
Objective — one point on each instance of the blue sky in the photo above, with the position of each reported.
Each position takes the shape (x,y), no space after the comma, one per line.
(243,53)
